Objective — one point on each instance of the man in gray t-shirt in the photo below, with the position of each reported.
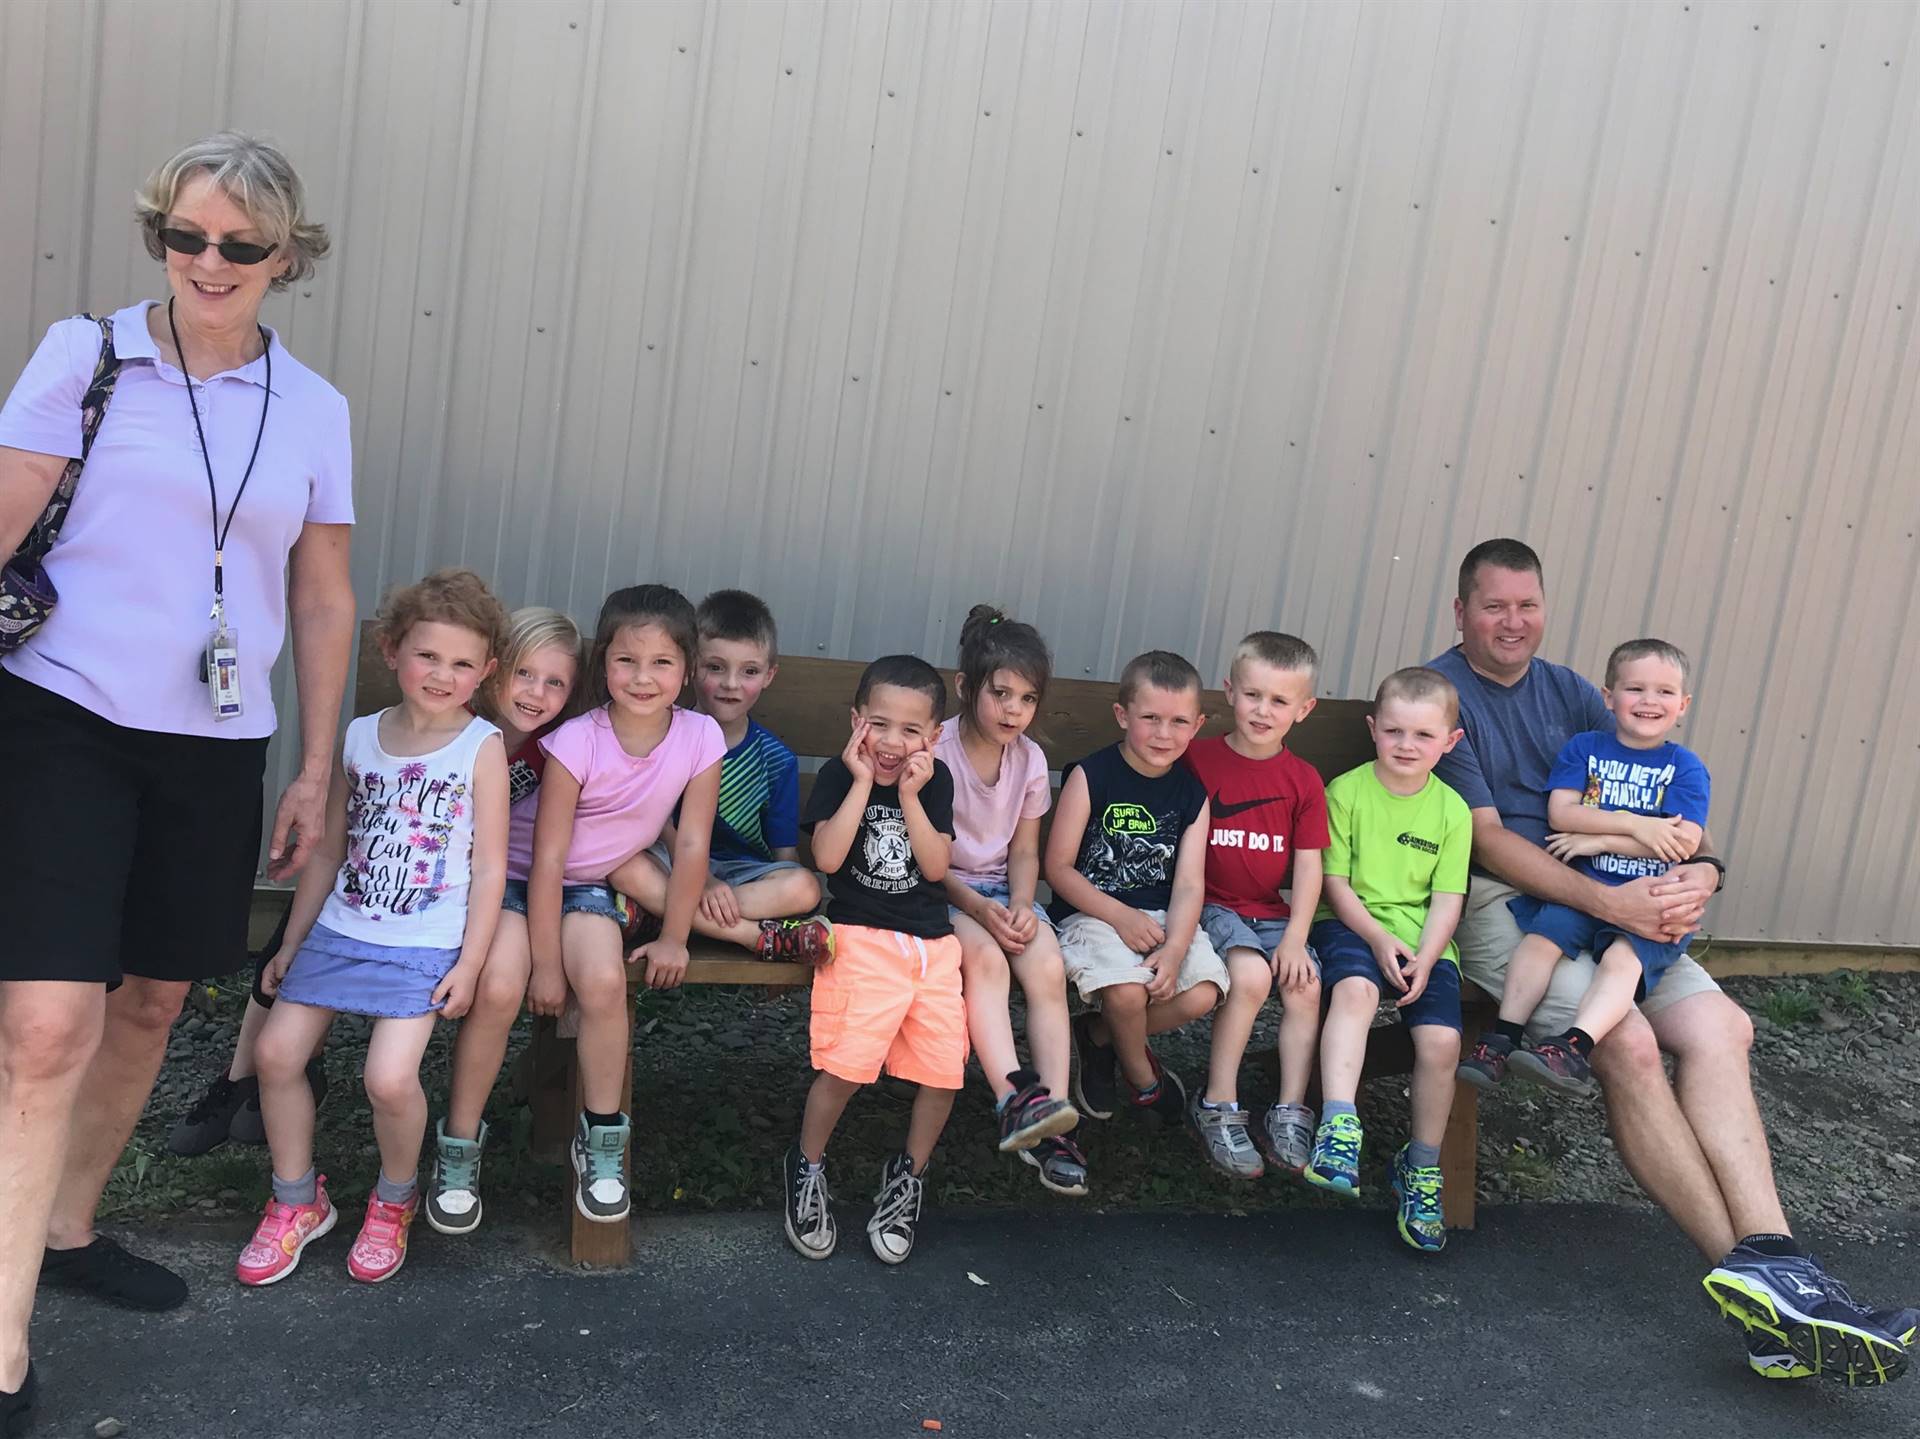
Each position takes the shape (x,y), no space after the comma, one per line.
(1701,1154)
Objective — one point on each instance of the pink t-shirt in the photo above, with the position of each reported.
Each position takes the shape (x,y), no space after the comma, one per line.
(624,802)
(986,815)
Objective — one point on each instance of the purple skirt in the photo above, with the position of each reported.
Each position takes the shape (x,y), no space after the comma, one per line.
(352,976)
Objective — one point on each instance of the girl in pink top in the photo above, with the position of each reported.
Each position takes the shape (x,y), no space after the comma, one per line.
(612,779)
(1000,792)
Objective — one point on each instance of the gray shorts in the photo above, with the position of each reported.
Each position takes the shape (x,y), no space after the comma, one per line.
(1488,934)
(735,870)
(1225,929)
(1096,957)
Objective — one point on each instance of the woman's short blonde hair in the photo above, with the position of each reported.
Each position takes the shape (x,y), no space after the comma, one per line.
(256,177)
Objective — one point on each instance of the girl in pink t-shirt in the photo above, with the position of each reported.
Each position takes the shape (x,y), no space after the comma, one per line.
(1000,792)
(527,697)
(613,776)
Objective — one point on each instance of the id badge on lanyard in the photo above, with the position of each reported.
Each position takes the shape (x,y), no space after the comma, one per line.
(220,667)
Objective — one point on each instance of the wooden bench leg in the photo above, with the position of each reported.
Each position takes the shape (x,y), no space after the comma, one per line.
(549,1080)
(605,1246)
(1459,1157)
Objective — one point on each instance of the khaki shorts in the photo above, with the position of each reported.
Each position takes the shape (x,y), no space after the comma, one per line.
(1488,935)
(1097,958)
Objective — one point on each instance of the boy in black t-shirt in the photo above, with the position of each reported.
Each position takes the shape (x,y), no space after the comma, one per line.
(881,817)
(1127,861)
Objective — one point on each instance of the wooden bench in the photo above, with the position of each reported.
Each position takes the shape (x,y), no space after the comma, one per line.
(807,707)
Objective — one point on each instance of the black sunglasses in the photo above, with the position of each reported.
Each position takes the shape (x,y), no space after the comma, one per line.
(237,252)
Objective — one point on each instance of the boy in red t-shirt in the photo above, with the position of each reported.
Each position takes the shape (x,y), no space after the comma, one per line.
(1268,813)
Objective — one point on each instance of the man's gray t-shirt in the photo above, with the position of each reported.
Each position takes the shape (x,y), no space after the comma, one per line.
(1514,733)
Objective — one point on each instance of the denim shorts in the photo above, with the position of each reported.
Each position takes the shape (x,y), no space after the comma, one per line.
(1345,955)
(1575,932)
(1230,930)
(1002,896)
(733,870)
(574,899)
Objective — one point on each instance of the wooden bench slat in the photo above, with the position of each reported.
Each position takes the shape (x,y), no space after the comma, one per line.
(746,971)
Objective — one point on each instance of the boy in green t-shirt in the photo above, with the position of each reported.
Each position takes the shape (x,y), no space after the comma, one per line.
(1395,882)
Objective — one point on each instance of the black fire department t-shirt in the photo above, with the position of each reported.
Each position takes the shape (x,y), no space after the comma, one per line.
(879,884)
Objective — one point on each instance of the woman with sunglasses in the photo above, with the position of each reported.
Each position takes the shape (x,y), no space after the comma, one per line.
(213,507)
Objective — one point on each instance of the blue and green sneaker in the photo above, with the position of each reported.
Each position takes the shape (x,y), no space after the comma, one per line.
(1335,1162)
(1422,1220)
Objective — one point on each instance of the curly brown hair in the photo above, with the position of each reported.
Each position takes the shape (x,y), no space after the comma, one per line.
(448,597)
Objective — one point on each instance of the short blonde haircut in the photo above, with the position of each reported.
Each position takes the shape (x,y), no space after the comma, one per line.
(256,177)
(1282,651)
(1418,685)
(1649,649)
(533,628)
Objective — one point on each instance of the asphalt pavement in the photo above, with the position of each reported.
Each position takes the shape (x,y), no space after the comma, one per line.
(1550,1319)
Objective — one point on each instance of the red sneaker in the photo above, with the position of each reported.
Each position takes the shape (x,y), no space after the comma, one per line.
(801,941)
(381,1247)
(284,1231)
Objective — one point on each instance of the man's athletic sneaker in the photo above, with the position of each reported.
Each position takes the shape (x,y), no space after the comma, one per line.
(16,1406)
(1422,1221)
(797,941)
(600,1170)
(1062,1167)
(1335,1162)
(809,1206)
(1032,1113)
(284,1232)
(453,1198)
(103,1269)
(1223,1134)
(1795,1301)
(229,1109)
(1094,1089)
(1285,1137)
(896,1209)
(1770,1358)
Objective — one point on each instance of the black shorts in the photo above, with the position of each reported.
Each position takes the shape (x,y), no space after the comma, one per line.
(127,851)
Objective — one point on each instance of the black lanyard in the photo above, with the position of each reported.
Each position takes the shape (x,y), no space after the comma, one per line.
(220,531)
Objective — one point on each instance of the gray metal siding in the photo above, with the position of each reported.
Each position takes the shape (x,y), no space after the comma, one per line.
(1156,321)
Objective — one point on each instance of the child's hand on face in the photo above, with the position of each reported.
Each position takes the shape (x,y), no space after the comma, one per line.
(1139,933)
(915,773)
(854,756)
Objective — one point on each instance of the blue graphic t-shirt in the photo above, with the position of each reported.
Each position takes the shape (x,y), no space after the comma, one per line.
(1668,782)
(759,798)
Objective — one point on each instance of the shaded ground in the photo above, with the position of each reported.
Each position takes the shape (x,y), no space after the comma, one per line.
(1570,1320)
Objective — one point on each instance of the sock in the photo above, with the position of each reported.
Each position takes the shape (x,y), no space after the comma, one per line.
(1423,1156)
(395,1191)
(1579,1041)
(604,1121)
(1779,1246)
(296,1191)
(1334,1108)
(1229,1105)
(1513,1032)
(1285,1108)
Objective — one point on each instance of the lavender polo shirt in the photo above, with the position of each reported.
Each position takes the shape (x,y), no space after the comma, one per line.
(134,561)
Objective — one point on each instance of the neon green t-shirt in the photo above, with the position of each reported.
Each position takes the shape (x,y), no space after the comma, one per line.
(1397,851)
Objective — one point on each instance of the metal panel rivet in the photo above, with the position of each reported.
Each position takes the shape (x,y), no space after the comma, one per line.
(1039,407)
(889,94)
(539,329)
(1080,132)
(946,392)
(49,255)
(856,379)
(1126,417)
(304,294)
(683,49)
(427,313)
(753,362)
(649,347)
(789,69)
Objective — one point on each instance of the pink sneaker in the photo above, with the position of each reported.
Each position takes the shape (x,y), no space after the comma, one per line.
(382,1246)
(285,1230)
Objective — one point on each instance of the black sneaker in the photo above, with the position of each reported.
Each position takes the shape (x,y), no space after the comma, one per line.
(16,1408)
(1063,1168)
(809,1205)
(106,1271)
(1796,1302)
(1032,1114)
(209,1122)
(1167,1105)
(1093,1083)
(896,1209)
(250,1127)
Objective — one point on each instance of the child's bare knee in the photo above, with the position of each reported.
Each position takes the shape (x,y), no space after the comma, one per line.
(1124,999)
(1436,1044)
(391,1087)
(981,960)
(1353,994)
(1304,998)
(1249,974)
(799,891)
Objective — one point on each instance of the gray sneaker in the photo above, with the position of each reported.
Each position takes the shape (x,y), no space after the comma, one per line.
(453,1199)
(1286,1136)
(1223,1133)
(600,1170)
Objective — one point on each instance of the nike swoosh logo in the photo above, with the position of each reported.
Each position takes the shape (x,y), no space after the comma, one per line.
(1220,809)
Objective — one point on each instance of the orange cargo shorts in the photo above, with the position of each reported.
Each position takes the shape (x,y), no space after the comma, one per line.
(890,1000)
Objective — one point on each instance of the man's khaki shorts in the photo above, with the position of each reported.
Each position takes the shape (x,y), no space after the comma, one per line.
(1488,935)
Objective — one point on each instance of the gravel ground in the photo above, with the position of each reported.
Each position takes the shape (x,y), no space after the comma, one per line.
(721,1075)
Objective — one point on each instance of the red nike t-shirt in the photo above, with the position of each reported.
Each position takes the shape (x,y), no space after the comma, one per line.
(1261,811)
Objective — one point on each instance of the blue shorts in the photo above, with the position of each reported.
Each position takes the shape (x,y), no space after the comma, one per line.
(1227,930)
(732,870)
(1345,955)
(1575,932)
(1002,896)
(574,899)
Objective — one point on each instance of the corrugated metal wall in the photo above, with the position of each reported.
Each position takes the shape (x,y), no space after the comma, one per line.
(1154,321)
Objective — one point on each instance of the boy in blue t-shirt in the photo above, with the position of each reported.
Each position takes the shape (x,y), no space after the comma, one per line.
(754,877)
(1620,805)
